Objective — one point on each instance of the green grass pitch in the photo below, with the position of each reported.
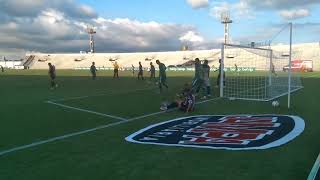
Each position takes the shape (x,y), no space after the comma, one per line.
(26,118)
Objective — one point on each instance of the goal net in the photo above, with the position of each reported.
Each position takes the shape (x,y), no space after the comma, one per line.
(258,73)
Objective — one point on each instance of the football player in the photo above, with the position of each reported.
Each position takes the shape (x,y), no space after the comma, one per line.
(185,103)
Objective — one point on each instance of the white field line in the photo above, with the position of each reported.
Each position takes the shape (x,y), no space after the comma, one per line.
(314,75)
(5,152)
(102,94)
(87,111)
(315,169)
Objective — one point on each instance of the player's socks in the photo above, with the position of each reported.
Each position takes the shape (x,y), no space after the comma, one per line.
(208,90)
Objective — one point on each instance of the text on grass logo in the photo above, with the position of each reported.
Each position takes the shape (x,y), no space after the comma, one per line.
(241,132)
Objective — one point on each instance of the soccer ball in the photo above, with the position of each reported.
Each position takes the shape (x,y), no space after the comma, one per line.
(275,103)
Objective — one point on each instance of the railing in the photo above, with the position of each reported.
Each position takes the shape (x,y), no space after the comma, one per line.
(29,62)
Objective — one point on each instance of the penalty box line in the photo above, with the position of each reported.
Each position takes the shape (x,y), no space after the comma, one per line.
(55,102)
(87,111)
(19,148)
(97,95)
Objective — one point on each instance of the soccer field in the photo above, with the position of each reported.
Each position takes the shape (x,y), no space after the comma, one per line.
(78,131)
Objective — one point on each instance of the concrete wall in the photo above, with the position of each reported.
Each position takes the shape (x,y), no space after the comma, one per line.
(308,51)
(10,64)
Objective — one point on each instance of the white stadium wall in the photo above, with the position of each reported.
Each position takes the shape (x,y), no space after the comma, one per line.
(307,51)
(125,60)
(11,64)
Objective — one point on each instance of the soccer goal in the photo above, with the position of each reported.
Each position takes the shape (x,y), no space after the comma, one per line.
(258,73)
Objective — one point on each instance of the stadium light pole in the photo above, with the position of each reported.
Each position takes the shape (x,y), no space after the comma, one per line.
(91,32)
(222,71)
(225,19)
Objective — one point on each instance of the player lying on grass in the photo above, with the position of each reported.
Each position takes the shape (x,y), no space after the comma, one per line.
(186,102)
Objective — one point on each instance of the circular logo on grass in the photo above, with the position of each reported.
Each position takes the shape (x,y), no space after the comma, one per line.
(236,132)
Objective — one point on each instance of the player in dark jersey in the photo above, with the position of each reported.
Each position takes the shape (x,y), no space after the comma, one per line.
(273,69)
(2,69)
(152,71)
(197,82)
(162,75)
(93,71)
(115,70)
(132,68)
(52,75)
(185,103)
(140,73)
(206,78)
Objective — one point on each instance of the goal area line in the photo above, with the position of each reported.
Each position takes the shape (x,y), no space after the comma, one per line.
(124,121)
(264,100)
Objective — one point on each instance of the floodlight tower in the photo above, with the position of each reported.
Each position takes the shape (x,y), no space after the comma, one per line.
(91,31)
(226,20)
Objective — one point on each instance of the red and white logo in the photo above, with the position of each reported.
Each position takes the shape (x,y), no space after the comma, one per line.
(243,132)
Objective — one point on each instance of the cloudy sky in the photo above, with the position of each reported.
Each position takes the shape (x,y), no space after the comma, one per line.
(148,25)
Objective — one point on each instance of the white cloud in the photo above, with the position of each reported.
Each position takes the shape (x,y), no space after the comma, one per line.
(217,10)
(237,10)
(197,4)
(53,30)
(191,36)
(280,4)
(288,9)
(294,14)
(87,10)
(21,8)
(32,8)
(243,9)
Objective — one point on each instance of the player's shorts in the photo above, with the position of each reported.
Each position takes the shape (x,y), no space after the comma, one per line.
(140,73)
(197,82)
(162,79)
(115,70)
(52,76)
(206,82)
(184,107)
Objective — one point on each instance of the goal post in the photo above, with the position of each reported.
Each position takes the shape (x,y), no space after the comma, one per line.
(290,67)
(256,73)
